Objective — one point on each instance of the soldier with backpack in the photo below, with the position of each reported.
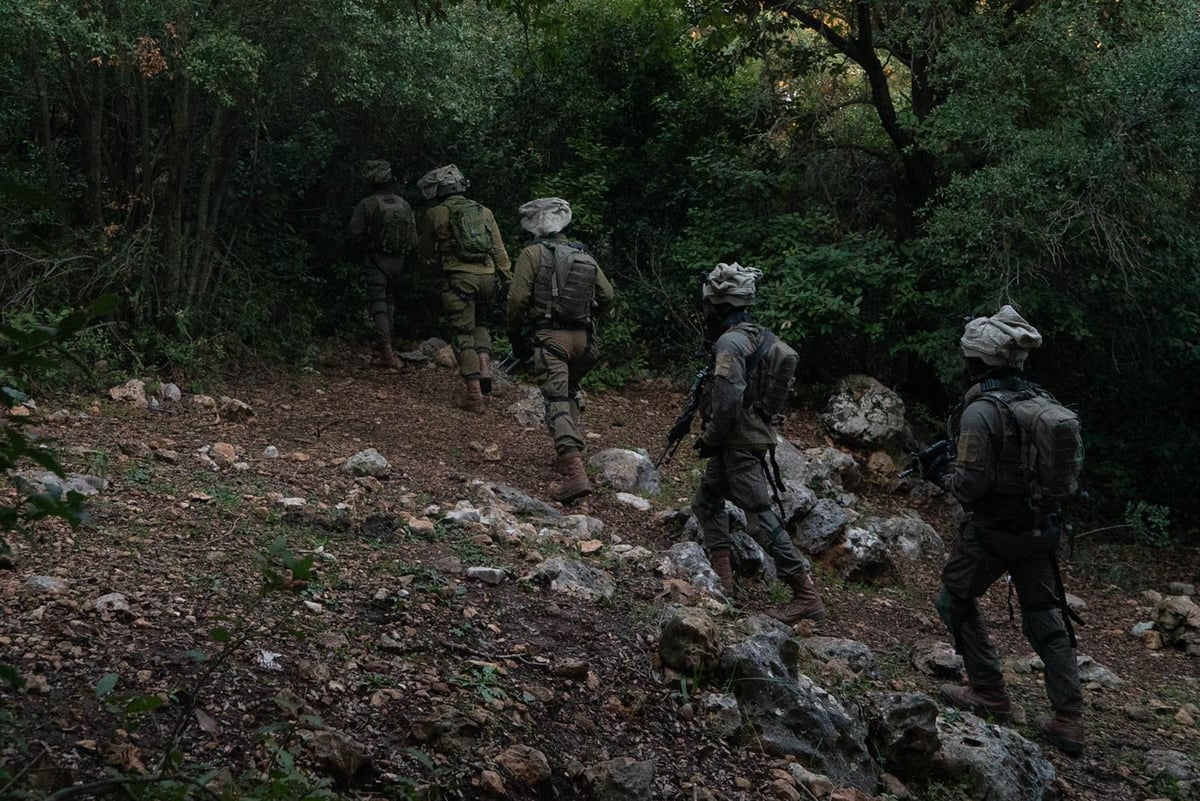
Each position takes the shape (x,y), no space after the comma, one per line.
(557,291)
(752,373)
(384,234)
(460,237)
(1018,452)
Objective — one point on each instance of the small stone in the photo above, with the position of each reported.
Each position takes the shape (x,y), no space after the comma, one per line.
(526,765)
(490,781)
(292,503)
(134,448)
(299,456)
(223,454)
(448,564)
(488,575)
(784,790)
(636,501)
(1185,718)
(170,457)
(48,585)
(1181,588)
(270,452)
(590,546)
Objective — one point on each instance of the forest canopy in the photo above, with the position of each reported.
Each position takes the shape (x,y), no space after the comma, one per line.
(890,166)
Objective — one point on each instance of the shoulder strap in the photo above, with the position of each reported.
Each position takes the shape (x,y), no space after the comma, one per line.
(760,352)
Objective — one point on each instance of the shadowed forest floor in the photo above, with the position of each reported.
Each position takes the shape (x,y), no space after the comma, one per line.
(387,636)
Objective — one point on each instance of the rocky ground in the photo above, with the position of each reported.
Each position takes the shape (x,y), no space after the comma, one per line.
(243,615)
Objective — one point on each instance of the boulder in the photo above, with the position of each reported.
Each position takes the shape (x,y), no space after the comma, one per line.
(526,765)
(865,415)
(688,561)
(860,556)
(790,713)
(721,714)
(908,534)
(903,732)
(1167,766)
(854,653)
(46,483)
(626,470)
(339,753)
(995,762)
(570,577)
(620,779)
(529,409)
(514,501)
(132,391)
(234,410)
(690,641)
(937,659)
(367,462)
(821,528)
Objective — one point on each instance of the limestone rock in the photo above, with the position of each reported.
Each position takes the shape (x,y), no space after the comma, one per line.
(690,641)
(903,732)
(620,779)
(132,391)
(626,470)
(996,762)
(234,410)
(854,653)
(526,765)
(367,462)
(570,577)
(865,414)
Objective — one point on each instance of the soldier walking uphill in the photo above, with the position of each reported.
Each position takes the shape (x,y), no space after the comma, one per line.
(1008,426)
(737,409)
(556,293)
(384,234)
(460,236)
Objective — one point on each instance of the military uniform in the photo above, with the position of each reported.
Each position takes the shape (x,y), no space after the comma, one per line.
(563,355)
(382,271)
(468,288)
(738,470)
(1002,534)
(737,439)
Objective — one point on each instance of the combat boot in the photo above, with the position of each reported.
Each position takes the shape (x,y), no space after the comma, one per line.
(806,604)
(575,482)
(472,399)
(983,701)
(388,356)
(1063,731)
(560,462)
(485,373)
(723,567)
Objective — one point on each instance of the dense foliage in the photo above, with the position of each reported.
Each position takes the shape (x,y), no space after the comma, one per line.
(891,165)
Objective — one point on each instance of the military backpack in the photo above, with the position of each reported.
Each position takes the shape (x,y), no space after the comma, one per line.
(770,372)
(389,224)
(470,237)
(1050,438)
(566,283)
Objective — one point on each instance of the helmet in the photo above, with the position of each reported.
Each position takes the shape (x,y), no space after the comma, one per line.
(545,216)
(378,172)
(1002,340)
(441,182)
(732,284)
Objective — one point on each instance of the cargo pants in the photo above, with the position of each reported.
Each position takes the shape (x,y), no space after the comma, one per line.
(561,359)
(467,299)
(740,477)
(383,273)
(980,557)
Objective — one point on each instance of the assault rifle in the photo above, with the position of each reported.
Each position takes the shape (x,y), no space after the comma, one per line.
(931,463)
(510,363)
(683,423)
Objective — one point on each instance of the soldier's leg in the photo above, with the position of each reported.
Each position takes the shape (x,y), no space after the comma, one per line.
(481,335)
(966,576)
(553,360)
(458,302)
(584,356)
(748,489)
(709,506)
(377,303)
(1043,625)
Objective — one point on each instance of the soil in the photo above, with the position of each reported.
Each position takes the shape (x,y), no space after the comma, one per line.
(243,654)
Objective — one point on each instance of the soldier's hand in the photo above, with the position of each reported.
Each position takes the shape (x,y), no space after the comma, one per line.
(704,450)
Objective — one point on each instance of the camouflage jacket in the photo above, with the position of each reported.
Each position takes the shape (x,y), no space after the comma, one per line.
(986,474)
(729,421)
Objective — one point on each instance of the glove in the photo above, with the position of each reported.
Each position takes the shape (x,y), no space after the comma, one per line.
(704,450)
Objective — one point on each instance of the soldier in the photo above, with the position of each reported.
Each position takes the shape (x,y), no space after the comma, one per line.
(1004,532)
(384,233)
(460,236)
(737,437)
(557,291)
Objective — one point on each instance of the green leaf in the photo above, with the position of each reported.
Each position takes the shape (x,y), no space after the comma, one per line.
(10,676)
(219,634)
(143,703)
(106,684)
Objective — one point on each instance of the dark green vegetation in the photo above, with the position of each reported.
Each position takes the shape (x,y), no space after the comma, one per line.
(891,166)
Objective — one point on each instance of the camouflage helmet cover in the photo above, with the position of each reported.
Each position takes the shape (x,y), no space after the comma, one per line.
(447,180)
(1002,340)
(545,216)
(732,284)
(377,171)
